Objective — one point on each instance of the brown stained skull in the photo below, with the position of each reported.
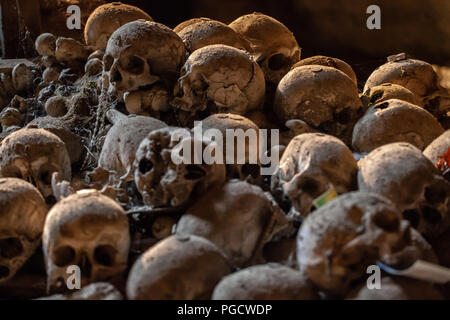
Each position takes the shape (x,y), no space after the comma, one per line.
(219,79)
(239,218)
(324,97)
(388,91)
(207,32)
(87,230)
(341,239)
(106,19)
(251,167)
(274,46)
(400,172)
(162,182)
(22,216)
(395,121)
(310,165)
(140,54)
(265,282)
(34,155)
(180,267)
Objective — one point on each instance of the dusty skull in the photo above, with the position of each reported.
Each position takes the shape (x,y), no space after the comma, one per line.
(329,62)
(180,267)
(438,147)
(387,91)
(122,141)
(265,282)
(207,32)
(324,97)
(274,46)
(140,54)
(400,172)
(339,240)
(22,216)
(310,165)
(106,19)
(69,50)
(45,44)
(250,168)
(219,78)
(161,181)
(22,77)
(395,121)
(89,230)
(237,217)
(188,22)
(34,155)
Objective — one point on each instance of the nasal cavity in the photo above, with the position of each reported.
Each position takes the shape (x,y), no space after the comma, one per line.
(10,248)
(116,77)
(145,166)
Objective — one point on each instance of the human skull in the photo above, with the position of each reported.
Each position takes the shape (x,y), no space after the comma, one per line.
(188,22)
(207,32)
(33,155)
(329,62)
(438,147)
(88,230)
(219,78)
(69,50)
(310,165)
(122,141)
(93,291)
(251,167)
(274,46)
(341,239)
(161,181)
(22,216)
(265,282)
(45,44)
(388,91)
(180,267)
(141,53)
(106,19)
(324,97)
(22,77)
(395,121)
(239,218)
(401,173)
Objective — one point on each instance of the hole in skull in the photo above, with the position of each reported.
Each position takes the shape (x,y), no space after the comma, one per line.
(50,200)
(194,172)
(413,216)
(431,215)
(145,166)
(105,255)
(10,248)
(435,194)
(382,105)
(63,256)
(310,186)
(116,77)
(278,61)
(85,266)
(135,65)
(107,62)
(377,95)
(4,272)
(386,221)
(251,170)
(46,177)
(344,116)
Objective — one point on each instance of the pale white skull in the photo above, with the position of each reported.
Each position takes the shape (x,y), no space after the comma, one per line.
(88,230)
(22,216)
(395,121)
(274,46)
(140,54)
(324,97)
(237,217)
(34,155)
(219,79)
(401,173)
(311,164)
(160,181)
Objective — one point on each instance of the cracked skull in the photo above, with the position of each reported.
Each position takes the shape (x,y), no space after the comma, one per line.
(22,216)
(88,230)
(161,181)
(400,172)
(324,97)
(274,46)
(310,165)
(219,78)
(34,155)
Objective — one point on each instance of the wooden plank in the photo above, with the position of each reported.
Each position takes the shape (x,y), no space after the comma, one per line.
(6,65)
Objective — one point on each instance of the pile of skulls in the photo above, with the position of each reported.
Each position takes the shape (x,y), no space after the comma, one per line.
(87,179)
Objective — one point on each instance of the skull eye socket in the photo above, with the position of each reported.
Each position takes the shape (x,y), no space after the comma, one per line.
(435,194)
(63,256)
(386,221)
(431,215)
(145,166)
(46,176)
(105,255)
(134,65)
(4,272)
(10,248)
(108,62)
(344,116)
(413,216)
(194,172)
(278,61)
(309,186)
(250,170)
